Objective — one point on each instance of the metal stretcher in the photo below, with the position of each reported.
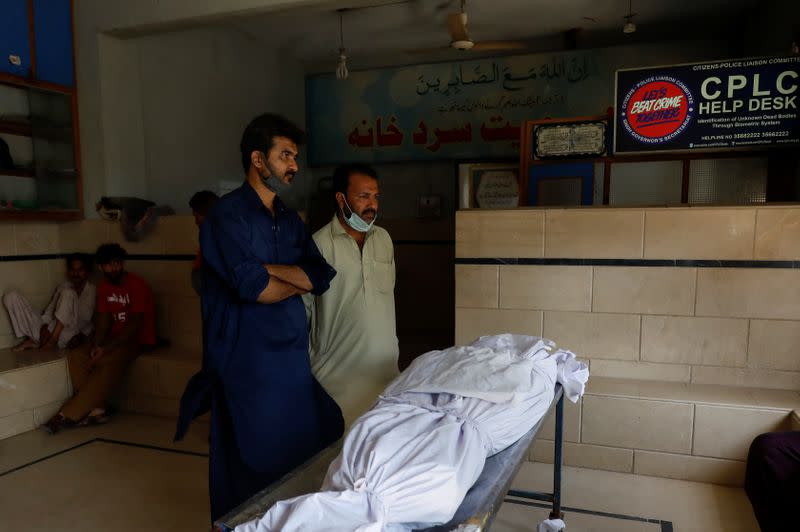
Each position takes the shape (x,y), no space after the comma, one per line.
(478,508)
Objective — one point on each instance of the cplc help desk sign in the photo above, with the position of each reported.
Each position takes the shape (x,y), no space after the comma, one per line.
(727,95)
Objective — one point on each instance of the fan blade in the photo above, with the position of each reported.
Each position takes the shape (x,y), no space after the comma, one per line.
(457,24)
(422,51)
(487,46)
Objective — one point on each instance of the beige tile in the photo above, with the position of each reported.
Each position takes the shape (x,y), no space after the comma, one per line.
(583,455)
(33,239)
(707,341)
(56,271)
(153,243)
(7,240)
(644,290)
(546,287)
(778,234)
(6,329)
(693,468)
(84,235)
(699,234)
(150,405)
(141,377)
(794,422)
(637,424)
(41,414)
(572,423)
(594,335)
(27,388)
(28,277)
(690,506)
(473,323)
(476,286)
(680,392)
(188,342)
(722,432)
(180,234)
(163,327)
(774,345)
(185,315)
(508,234)
(173,376)
(16,424)
(757,378)
(601,233)
(93,474)
(7,340)
(641,370)
(165,277)
(768,293)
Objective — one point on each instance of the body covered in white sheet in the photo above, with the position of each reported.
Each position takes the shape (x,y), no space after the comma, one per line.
(410,460)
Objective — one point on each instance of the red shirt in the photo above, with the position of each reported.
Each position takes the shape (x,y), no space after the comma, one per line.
(132,296)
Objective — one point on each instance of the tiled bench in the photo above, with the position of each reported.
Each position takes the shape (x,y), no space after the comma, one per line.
(155,382)
(34,385)
(674,430)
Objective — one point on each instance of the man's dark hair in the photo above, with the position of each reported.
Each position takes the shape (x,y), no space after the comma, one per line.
(202,202)
(84,258)
(109,252)
(261,132)
(341,176)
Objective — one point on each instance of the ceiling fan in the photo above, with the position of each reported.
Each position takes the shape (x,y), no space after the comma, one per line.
(460,40)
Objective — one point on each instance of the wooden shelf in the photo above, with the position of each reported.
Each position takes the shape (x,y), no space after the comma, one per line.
(43,215)
(57,133)
(10,79)
(16,128)
(16,173)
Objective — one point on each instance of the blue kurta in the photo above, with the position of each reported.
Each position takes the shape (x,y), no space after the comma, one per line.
(268,412)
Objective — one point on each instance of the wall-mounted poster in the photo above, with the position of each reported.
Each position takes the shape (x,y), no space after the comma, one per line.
(731,104)
(488,186)
(470,109)
(572,139)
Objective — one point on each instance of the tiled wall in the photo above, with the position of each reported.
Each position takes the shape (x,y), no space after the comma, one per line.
(715,325)
(177,306)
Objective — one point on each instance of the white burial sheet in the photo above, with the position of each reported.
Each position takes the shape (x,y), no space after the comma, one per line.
(409,461)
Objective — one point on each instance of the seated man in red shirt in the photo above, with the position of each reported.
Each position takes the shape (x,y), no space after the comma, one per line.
(124,326)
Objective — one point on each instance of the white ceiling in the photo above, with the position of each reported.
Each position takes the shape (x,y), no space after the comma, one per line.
(381,35)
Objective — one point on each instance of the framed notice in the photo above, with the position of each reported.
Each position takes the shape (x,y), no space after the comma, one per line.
(488,186)
(570,140)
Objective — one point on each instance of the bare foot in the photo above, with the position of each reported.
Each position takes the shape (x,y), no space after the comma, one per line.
(25,345)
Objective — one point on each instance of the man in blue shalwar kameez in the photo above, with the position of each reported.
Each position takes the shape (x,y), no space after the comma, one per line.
(268,412)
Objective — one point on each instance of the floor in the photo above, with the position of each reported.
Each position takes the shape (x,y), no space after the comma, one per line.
(129,476)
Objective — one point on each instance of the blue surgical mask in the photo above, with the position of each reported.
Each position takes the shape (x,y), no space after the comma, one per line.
(357,222)
(273,183)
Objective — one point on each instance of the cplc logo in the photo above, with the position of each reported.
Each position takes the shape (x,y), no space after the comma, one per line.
(657,109)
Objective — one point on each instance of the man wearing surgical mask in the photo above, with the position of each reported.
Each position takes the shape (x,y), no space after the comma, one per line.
(353,338)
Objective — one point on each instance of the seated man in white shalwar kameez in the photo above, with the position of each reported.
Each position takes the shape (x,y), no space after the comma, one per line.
(67,320)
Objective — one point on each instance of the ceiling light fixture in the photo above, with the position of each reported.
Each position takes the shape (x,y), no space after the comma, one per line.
(629,26)
(341,67)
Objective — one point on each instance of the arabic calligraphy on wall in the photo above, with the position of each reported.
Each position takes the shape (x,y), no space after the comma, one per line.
(465,109)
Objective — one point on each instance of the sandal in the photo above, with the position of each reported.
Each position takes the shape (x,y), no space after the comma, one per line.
(93,420)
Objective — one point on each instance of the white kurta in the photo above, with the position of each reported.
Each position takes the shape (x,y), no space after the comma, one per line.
(410,460)
(353,339)
(74,311)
